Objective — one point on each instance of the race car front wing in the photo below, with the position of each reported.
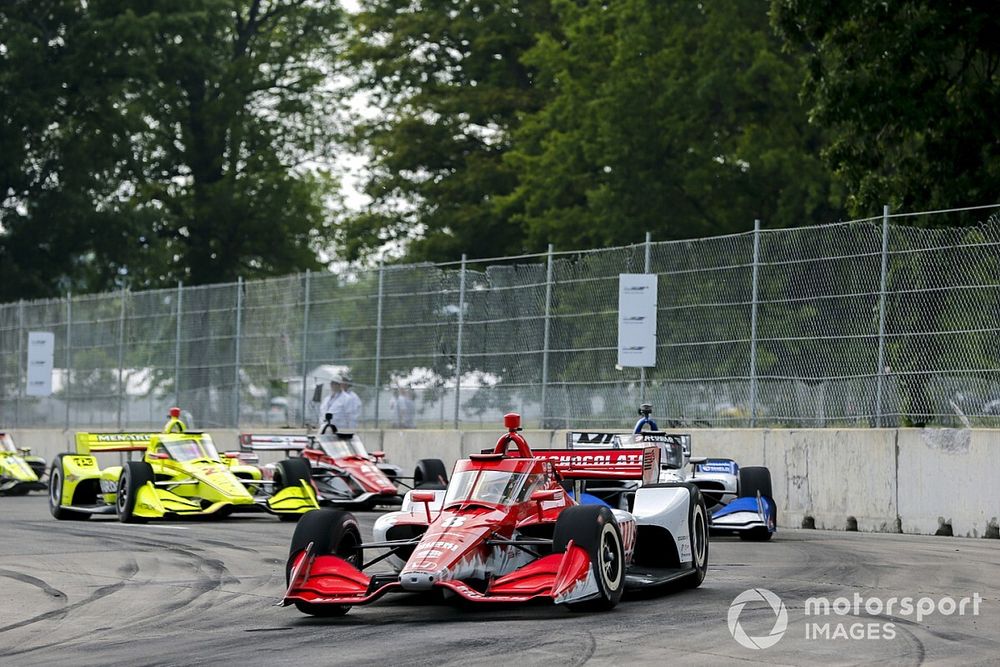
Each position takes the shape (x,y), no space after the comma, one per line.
(324,579)
(745,514)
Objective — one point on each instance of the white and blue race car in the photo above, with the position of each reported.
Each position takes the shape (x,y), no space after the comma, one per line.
(740,500)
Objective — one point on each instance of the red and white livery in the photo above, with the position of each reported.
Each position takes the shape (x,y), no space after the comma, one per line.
(508,529)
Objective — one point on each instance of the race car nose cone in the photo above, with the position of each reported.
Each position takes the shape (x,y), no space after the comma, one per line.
(417,581)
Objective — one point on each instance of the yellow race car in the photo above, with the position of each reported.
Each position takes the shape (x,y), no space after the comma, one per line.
(19,472)
(179,474)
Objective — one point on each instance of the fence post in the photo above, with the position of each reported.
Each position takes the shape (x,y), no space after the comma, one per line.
(69,352)
(458,344)
(648,251)
(20,361)
(239,333)
(177,345)
(545,336)
(305,344)
(378,343)
(883,281)
(753,323)
(121,355)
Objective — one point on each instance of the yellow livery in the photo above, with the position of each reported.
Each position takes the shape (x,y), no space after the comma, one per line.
(19,471)
(179,474)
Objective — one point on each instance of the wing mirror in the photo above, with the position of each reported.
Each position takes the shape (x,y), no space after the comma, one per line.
(378,456)
(695,461)
(160,455)
(24,450)
(232,455)
(425,497)
(545,495)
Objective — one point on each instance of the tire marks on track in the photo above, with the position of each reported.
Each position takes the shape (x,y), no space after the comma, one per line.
(129,570)
(231,572)
(33,581)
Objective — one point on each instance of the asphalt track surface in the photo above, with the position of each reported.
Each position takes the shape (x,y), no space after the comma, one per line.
(196,593)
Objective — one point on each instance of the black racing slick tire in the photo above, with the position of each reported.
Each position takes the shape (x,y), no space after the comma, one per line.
(430,474)
(134,476)
(756,480)
(331,532)
(698,539)
(56,479)
(37,467)
(594,529)
(291,472)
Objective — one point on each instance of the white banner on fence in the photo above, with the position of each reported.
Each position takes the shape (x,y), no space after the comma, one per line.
(41,349)
(637,319)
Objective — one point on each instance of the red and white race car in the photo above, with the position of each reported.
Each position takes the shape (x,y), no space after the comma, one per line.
(507,529)
(344,473)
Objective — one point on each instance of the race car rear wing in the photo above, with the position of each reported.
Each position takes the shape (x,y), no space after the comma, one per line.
(601,440)
(637,463)
(87,443)
(254,442)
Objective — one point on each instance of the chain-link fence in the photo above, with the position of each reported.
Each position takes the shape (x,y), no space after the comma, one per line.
(861,323)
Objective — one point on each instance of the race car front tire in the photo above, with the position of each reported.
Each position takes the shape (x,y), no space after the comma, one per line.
(331,532)
(754,481)
(56,478)
(698,536)
(594,529)
(134,476)
(430,474)
(291,472)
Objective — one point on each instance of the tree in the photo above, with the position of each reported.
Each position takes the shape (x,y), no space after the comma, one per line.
(169,140)
(449,86)
(906,90)
(677,118)
(61,153)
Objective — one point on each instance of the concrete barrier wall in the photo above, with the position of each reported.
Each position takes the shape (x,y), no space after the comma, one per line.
(951,476)
(914,480)
(832,474)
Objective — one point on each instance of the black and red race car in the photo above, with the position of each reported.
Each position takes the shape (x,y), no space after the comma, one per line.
(507,529)
(344,473)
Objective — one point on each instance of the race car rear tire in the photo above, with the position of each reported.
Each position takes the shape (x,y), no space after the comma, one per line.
(134,476)
(56,478)
(331,532)
(291,472)
(430,474)
(698,536)
(594,529)
(756,480)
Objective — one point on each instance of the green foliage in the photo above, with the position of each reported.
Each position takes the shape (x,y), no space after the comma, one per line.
(158,140)
(670,117)
(448,84)
(59,156)
(907,90)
